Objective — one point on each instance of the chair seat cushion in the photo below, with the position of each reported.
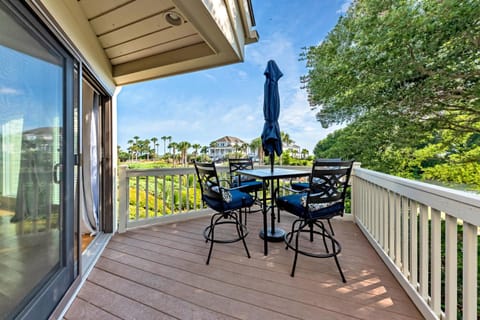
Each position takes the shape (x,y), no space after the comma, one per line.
(294,204)
(238,200)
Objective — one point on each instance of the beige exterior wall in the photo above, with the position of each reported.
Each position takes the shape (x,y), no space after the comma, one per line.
(70,19)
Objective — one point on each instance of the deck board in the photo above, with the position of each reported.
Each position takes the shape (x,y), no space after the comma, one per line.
(159,272)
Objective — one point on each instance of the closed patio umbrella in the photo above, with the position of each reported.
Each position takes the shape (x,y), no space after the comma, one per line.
(271,139)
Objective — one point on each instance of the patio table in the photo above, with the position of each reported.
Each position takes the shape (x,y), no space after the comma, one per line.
(269,176)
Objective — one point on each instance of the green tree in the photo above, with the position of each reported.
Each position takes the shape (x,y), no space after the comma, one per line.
(304,153)
(256,145)
(195,147)
(130,148)
(164,138)
(414,61)
(183,147)
(154,141)
(173,146)
(404,77)
(204,151)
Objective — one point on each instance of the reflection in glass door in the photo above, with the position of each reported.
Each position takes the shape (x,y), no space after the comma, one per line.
(36,251)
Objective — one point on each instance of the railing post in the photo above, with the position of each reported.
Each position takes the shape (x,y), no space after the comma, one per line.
(353,194)
(123,195)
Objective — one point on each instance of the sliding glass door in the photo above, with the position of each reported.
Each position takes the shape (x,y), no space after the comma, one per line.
(36,168)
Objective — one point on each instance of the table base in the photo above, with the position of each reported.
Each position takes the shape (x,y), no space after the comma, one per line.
(276,236)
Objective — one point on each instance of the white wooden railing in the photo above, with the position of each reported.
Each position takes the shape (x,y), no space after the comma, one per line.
(149,196)
(403,221)
(415,227)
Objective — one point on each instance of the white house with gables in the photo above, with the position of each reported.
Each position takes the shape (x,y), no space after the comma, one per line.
(220,148)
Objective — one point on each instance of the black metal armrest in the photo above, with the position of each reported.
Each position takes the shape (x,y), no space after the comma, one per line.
(293,190)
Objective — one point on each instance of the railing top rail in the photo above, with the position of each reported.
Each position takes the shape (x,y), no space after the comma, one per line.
(183,170)
(461,204)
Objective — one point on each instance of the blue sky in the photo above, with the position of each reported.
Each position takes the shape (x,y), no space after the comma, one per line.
(203,106)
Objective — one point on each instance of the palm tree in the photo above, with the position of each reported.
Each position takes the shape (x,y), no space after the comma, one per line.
(169,138)
(204,151)
(244,147)
(304,153)
(173,146)
(183,147)
(145,147)
(164,138)
(256,145)
(286,139)
(154,141)
(196,146)
(130,148)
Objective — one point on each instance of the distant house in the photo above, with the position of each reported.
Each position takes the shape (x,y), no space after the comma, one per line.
(220,148)
(294,150)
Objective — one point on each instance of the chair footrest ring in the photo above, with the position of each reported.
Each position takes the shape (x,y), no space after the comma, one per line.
(208,235)
(337,245)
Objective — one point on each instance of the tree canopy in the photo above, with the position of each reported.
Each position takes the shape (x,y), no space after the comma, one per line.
(409,59)
(405,76)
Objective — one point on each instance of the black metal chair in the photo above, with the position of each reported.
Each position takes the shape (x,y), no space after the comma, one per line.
(244,183)
(227,202)
(322,200)
(299,186)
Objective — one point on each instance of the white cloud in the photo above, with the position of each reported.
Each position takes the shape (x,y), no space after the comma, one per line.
(242,74)
(9,91)
(281,49)
(344,8)
(209,76)
(300,123)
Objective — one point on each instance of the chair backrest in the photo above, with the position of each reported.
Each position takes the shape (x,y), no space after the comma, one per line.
(239,164)
(208,180)
(329,180)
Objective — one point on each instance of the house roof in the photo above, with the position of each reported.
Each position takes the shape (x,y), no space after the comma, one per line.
(231,140)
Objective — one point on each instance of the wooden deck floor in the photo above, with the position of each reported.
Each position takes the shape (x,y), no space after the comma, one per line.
(159,272)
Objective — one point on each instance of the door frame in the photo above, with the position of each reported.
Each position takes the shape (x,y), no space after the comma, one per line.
(54,286)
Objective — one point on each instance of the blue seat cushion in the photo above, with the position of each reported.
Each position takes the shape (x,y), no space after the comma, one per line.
(238,200)
(299,186)
(294,204)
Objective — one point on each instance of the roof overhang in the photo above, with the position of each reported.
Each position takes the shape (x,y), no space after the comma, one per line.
(128,41)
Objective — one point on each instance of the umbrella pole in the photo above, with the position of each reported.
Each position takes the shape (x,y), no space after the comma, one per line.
(272,160)
(272,194)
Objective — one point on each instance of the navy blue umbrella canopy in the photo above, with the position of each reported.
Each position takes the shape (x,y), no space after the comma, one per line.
(271,139)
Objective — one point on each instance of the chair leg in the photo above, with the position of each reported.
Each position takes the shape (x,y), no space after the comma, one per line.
(322,227)
(211,232)
(292,274)
(310,224)
(240,233)
(290,234)
(330,225)
(211,224)
(338,263)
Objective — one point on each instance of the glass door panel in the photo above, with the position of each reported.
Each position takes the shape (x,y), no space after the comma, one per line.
(35,258)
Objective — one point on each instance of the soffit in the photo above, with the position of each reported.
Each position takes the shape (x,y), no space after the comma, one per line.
(140,44)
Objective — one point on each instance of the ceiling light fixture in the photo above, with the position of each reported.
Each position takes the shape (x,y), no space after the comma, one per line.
(173,18)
